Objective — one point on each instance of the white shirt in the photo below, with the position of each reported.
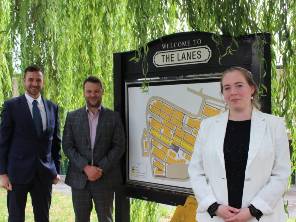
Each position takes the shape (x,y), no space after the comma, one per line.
(40,106)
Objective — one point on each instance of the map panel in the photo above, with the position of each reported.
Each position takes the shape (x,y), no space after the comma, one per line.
(163,125)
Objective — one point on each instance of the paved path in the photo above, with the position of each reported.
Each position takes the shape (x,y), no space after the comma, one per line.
(290,196)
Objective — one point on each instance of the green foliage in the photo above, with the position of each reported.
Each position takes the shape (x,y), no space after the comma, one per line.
(72,39)
(6,47)
(144,211)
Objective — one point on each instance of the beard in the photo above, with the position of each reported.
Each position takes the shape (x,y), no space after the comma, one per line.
(93,104)
(34,91)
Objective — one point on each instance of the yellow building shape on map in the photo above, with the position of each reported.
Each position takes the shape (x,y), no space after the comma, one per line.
(171,132)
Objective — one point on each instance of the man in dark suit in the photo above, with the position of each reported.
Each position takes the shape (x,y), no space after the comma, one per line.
(29,149)
(94,142)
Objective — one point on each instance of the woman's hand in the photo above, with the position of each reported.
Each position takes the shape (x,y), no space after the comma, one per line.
(244,215)
(226,212)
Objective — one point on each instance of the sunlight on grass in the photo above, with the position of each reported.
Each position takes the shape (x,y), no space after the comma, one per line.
(61,208)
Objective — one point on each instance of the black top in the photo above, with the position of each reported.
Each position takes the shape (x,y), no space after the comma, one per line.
(236,147)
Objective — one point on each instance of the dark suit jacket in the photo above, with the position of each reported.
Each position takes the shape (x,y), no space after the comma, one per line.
(22,152)
(108,149)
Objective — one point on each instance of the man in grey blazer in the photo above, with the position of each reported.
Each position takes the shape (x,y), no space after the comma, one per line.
(94,142)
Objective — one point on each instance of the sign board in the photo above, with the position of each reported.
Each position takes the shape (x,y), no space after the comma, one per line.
(162,123)
(177,57)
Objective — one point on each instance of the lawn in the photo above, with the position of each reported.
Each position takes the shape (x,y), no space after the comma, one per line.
(61,208)
(62,211)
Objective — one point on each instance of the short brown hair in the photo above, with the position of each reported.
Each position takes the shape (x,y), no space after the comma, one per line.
(93,79)
(249,78)
(32,68)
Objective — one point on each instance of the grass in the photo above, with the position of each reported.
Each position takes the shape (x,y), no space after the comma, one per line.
(61,208)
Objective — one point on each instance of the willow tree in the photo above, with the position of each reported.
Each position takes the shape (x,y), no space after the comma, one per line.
(6,47)
(71,39)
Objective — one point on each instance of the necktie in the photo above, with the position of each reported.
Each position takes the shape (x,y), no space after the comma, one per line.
(37,118)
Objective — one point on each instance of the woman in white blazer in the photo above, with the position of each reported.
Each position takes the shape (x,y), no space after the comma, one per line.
(241,164)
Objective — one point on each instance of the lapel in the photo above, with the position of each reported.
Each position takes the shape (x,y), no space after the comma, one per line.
(219,135)
(28,119)
(258,126)
(100,125)
(85,125)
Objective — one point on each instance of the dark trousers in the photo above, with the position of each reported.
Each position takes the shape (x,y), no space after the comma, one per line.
(83,203)
(40,192)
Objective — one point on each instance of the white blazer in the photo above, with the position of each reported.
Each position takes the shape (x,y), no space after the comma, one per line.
(267,171)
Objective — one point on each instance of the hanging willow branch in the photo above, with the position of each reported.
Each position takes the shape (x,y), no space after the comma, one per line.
(75,38)
(6,47)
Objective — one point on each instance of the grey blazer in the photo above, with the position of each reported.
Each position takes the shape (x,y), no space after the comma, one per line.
(108,149)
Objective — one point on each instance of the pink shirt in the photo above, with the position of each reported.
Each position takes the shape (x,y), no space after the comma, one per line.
(93,123)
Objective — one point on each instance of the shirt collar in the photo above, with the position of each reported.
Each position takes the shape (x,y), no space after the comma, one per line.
(99,108)
(31,99)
